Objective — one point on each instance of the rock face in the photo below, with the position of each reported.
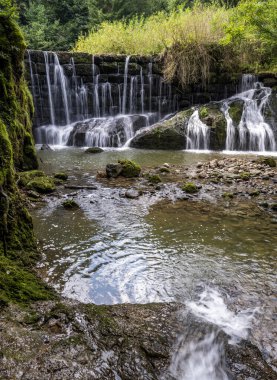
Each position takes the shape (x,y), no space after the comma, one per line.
(169,134)
(113,131)
(175,132)
(16,142)
(68,340)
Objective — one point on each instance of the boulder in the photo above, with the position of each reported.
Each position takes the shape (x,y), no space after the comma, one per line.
(113,170)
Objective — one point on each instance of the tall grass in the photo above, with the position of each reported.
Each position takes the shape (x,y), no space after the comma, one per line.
(201,25)
(195,40)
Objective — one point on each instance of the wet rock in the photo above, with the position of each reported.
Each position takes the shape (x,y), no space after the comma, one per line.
(269,161)
(33,194)
(113,170)
(131,341)
(70,204)
(46,147)
(169,134)
(61,176)
(94,150)
(130,169)
(132,194)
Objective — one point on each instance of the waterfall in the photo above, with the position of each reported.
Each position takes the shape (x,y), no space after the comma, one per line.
(252,132)
(47,68)
(68,91)
(125,85)
(197,133)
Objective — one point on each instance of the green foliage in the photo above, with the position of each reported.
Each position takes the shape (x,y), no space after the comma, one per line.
(194,40)
(252,31)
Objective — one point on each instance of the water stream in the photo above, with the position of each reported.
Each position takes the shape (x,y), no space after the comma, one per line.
(219,262)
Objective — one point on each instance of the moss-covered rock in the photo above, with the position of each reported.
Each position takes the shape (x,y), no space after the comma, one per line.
(70,204)
(169,134)
(269,161)
(172,134)
(213,117)
(43,185)
(235,111)
(245,176)
(153,178)
(190,188)
(26,177)
(20,285)
(61,176)
(130,169)
(17,245)
(94,150)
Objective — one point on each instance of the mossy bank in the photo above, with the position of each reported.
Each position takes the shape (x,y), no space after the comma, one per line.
(17,153)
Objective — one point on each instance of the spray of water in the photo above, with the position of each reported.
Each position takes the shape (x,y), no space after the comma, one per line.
(203,358)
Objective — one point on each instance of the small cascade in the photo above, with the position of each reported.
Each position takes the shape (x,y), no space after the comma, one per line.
(252,133)
(200,355)
(67,91)
(197,133)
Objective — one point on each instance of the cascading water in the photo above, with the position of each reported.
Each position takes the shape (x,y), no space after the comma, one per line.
(197,133)
(252,133)
(203,357)
(68,97)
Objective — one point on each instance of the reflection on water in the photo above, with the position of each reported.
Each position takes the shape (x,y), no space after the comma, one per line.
(116,250)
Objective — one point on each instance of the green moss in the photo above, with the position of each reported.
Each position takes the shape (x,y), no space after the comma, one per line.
(269,161)
(61,176)
(245,176)
(130,168)
(190,188)
(70,204)
(203,112)
(153,178)
(26,177)
(235,111)
(20,285)
(43,185)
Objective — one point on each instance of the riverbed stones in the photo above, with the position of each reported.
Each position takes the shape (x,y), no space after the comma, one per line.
(132,194)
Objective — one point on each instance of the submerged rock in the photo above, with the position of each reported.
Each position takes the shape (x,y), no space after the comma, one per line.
(132,194)
(94,150)
(70,204)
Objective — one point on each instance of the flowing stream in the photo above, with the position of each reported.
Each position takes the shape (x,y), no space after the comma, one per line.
(220,263)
